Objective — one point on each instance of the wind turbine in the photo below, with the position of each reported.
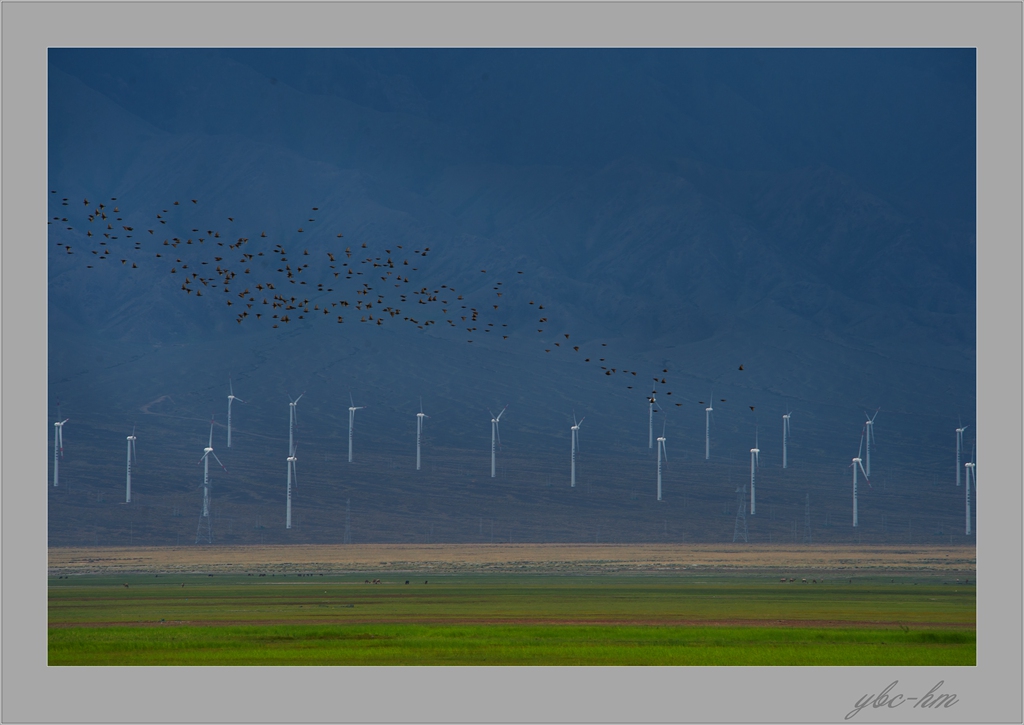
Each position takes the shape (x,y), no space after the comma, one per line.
(661,449)
(292,476)
(959,448)
(755,461)
(869,427)
(970,476)
(785,438)
(131,455)
(58,446)
(495,433)
(351,421)
(855,465)
(293,420)
(575,434)
(231,398)
(205,460)
(650,420)
(419,432)
(708,413)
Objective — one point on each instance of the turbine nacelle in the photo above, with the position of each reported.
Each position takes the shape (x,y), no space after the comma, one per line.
(858,463)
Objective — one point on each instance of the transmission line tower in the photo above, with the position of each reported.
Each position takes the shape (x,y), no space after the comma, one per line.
(348,524)
(208,534)
(807,518)
(740,529)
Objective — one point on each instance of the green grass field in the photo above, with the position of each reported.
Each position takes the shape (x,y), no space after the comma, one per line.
(509,619)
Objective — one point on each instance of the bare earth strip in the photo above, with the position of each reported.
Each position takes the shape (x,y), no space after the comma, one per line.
(511,558)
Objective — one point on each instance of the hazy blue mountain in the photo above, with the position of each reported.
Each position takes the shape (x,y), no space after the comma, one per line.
(809,214)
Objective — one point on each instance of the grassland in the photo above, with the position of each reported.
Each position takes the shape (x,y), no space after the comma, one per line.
(593,613)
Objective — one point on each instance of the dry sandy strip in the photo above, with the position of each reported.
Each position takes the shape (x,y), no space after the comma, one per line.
(525,558)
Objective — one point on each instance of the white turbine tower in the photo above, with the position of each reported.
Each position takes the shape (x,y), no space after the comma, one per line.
(661,449)
(971,476)
(651,402)
(495,433)
(755,461)
(869,436)
(205,460)
(708,413)
(419,432)
(785,439)
(231,398)
(855,465)
(292,477)
(959,448)
(131,455)
(351,421)
(575,434)
(58,446)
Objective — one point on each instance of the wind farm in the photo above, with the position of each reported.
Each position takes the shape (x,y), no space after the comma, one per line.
(556,266)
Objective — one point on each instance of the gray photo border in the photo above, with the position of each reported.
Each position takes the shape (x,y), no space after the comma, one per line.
(33,692)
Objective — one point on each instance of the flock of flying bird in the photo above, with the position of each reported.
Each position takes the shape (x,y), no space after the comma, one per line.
(211,261)
(266,282)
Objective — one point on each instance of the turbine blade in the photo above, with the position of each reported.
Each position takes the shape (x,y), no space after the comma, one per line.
(497,431)
(861,446)
(972,455)
(351,401)
(218,461)
(421,403)
(231,389)
(866,479)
